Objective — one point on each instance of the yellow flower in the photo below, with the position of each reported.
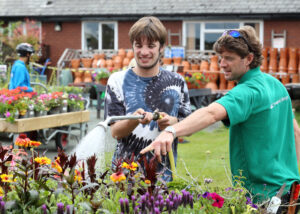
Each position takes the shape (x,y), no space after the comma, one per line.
(34,143)
(42,160)
(77,176)
(6,178)
(1,192)
(125,165)
(133,166)
(56,165)
(117,177)
(147,182)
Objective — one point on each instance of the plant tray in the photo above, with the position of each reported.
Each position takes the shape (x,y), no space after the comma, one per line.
(49,121)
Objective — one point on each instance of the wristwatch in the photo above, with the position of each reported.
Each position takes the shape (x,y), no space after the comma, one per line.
(171,130)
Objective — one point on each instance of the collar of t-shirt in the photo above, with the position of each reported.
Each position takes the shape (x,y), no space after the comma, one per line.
(250,74)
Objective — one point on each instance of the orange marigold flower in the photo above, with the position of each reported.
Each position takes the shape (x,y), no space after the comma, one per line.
(6,178)
(42,160)
(34,143)
(22,140)
(117,177)
(147,182)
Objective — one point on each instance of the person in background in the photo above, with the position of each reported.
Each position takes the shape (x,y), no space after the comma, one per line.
(259,112)
(142,89)
(19,76)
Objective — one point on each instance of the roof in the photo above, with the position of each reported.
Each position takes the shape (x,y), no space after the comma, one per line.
(171,9)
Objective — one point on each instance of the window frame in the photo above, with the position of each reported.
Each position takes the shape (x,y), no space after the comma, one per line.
(203,30)
(100,23)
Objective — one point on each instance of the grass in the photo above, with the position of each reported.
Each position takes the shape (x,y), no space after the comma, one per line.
(206,155)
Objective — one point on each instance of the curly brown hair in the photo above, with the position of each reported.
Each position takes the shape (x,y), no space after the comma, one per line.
(150,27)
(240,47)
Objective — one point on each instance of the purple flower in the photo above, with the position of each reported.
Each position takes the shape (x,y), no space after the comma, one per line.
(44,208)
(205,195)
(68,208)
(126,203)
(60,208)
(122,205)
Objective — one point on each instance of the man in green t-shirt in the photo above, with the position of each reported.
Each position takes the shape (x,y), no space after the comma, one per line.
(259,111)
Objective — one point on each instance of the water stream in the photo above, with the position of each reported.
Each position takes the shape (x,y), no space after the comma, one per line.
(95,142)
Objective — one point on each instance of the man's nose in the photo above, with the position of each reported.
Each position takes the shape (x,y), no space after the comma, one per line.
(144,50)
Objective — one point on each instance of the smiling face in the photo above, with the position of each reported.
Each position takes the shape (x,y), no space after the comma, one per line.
(146,53)
(234,66)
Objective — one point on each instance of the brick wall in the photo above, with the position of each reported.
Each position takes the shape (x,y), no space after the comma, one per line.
(292,28)
(68,37)
(124,27)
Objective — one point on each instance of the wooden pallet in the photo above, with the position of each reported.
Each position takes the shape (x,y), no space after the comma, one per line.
(49,121)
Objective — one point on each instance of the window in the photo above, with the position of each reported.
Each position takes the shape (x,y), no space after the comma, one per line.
(202,35)
(101,35)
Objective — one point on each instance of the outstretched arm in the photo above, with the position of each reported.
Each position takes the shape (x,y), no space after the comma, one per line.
(297,138)
(197,121)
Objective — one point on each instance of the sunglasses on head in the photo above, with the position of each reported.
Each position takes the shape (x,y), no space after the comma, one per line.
(237,34)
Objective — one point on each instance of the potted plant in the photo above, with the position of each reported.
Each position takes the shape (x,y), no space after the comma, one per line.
(53,102)
(39,108)
(195,80)
(102,77)
(75,102)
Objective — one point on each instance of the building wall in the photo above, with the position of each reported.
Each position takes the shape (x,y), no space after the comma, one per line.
(124,27)
(292,29)
(68,37)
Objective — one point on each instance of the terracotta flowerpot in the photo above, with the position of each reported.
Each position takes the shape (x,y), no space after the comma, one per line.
(195,67)
(285,79)
(273,60)
(130,54)
(204,66)
(78,76)
(75,63)
(86,62)
(109,63)
(186,65)
(87,76)
(222,86)
(283,60)
(118,61)
(126,61)
(177,60)
(103,81)
(101,63)
(167,61)
(230,85)
(95,63)
(264,66)
(295,78)
(214,65)
(292,67)
(212,85)
(122,53)
(99,56)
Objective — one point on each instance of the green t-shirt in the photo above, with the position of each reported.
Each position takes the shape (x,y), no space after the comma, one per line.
(262,143)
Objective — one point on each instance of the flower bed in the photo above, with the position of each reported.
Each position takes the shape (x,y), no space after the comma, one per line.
(32,183)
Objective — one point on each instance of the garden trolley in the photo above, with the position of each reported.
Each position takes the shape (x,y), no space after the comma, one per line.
(60,125)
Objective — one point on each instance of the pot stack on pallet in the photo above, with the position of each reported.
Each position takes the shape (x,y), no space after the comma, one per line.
(283,64)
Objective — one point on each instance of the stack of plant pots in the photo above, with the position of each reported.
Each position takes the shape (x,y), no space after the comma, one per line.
(282,63)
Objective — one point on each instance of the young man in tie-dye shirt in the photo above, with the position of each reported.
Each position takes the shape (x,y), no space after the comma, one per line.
(142,90)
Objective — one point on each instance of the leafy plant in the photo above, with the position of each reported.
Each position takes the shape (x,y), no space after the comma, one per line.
(196,78)
(102,75)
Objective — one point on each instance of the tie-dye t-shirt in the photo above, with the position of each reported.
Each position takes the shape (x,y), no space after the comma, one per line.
(126,92)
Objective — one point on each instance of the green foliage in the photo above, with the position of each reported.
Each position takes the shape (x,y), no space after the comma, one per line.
(103,74)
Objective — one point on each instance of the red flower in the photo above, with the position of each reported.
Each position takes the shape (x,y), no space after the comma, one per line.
(218,200)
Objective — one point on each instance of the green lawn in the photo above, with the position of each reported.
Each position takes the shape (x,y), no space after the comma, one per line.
(205,156)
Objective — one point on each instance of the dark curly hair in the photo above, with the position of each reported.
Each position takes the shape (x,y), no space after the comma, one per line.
(150,27)
(240,47)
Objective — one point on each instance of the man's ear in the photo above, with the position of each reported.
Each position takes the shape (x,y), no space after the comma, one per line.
(250,58)
(161,49)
